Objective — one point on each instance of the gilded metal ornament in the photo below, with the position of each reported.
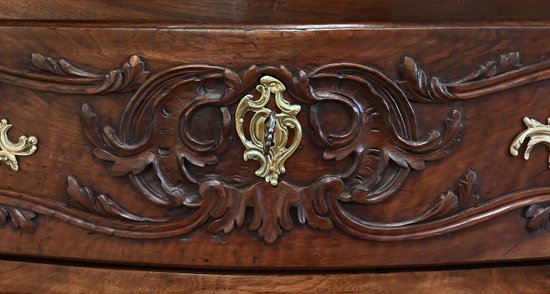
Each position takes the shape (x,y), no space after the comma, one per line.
(9,150)
(536,132)
(269,131)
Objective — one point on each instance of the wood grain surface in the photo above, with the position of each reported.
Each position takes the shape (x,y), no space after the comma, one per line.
(15,277)
(465,204)
(490,123)
(277,11)
(407,177)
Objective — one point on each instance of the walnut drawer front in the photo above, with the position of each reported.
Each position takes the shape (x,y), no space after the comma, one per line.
(265,147)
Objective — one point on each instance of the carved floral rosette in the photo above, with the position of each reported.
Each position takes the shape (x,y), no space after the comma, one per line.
(177,143)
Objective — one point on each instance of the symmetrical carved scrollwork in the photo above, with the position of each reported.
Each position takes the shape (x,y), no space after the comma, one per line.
(382,134)
(176,141)
(319,205)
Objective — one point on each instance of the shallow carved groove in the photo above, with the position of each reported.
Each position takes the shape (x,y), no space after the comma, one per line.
(366,154)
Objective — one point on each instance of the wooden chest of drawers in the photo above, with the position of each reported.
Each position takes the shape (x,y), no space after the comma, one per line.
(275,145)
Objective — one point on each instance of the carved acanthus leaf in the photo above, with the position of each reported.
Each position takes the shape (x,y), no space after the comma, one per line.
(451,201)
(20,218)
(60,76)
(501,73)
(538,216)
(83,198)
(59,67)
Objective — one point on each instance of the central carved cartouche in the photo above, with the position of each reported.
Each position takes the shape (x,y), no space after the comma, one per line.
(269,131)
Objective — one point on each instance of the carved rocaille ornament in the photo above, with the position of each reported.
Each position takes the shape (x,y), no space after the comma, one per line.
(183,128)
(381,141)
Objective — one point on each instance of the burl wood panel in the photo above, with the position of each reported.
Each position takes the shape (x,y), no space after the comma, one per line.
(15,277)
(138,160)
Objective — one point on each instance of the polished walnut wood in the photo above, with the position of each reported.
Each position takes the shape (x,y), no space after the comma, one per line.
(404,157)
(275,12)
(52,278)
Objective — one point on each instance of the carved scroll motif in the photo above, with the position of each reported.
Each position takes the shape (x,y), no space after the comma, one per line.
(162,145)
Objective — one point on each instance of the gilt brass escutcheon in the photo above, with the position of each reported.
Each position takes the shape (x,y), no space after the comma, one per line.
(9,150)
(269,130)
(537,133)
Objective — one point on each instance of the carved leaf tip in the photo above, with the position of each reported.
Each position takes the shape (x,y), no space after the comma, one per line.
(59,67)
(467,188)
(43,63)
(83,198)
(80,197)
(509,61)
(91,123)
(20,218)
(128,77)
(135,60)
(423,88)
(463,197)
(133,73)
(414,76)
(538,216)
(427,89)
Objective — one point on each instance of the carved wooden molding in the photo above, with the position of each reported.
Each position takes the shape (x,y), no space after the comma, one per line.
(174,163)
(453,210)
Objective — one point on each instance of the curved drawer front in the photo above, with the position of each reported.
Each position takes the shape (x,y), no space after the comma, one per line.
(275,147)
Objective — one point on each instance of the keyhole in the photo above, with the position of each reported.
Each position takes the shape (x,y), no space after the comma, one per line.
(269,132)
